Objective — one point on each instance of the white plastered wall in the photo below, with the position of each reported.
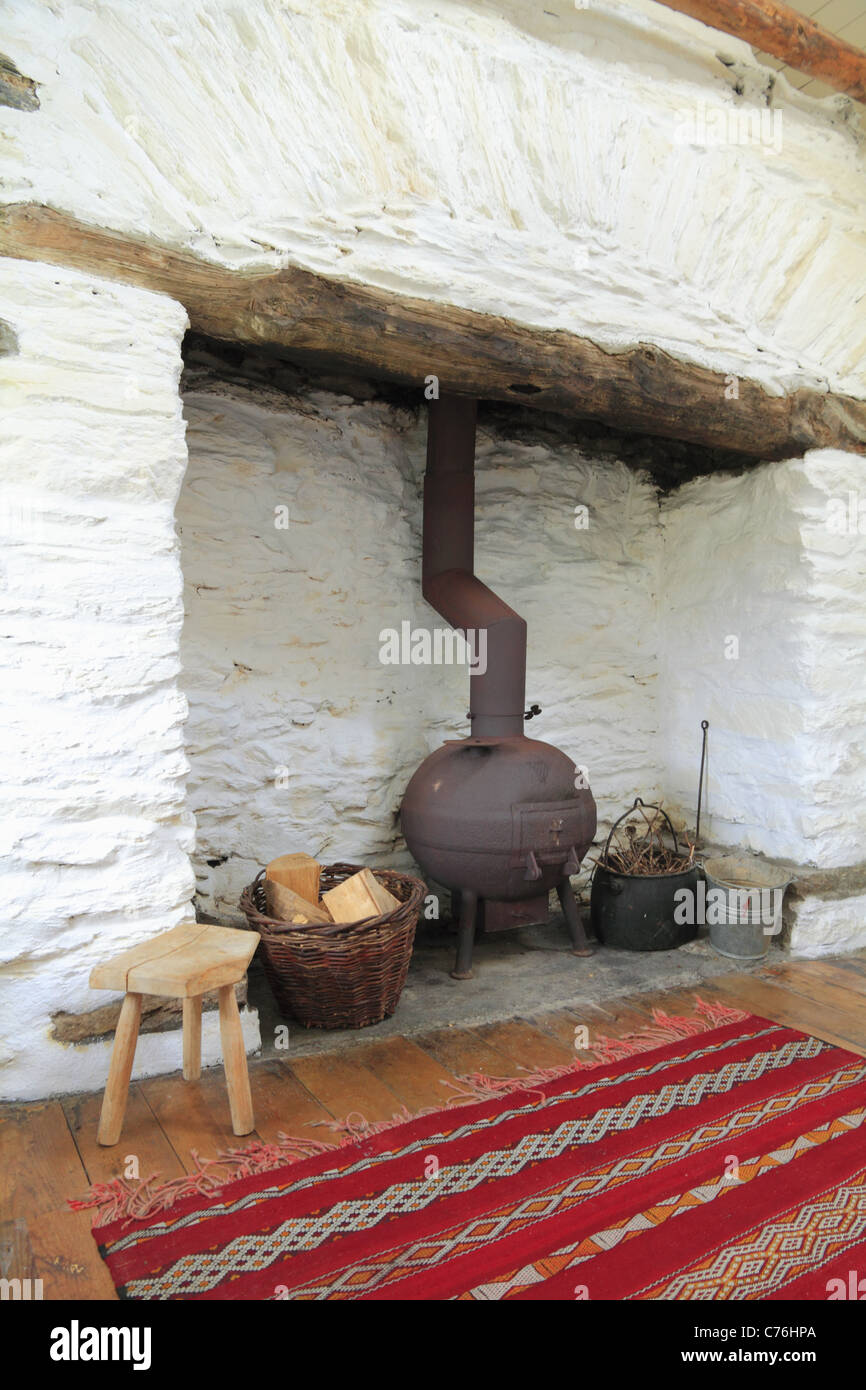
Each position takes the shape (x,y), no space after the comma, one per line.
(96,832)
(763,629)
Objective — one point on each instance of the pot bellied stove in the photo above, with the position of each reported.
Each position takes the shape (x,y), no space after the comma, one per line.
(499,818)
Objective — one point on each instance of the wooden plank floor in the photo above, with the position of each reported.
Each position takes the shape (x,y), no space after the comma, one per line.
(48,1149)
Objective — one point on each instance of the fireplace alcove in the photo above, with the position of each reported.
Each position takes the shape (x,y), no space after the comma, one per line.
(300,519)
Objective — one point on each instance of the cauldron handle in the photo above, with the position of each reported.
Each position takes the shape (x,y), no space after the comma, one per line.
(639,801)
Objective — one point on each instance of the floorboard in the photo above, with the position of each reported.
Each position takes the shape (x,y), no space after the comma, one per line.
(622,1017)
(844,1028)
(39,1164)
(525,1046)
(67,1260)
(283,1105)
(143,1145)
(414,1077)
(851,965)
(193,1115)
(561,1024)
(820,989)
(346,1088)
(832,970)
(821,981)
(17,1260)
(461,1052)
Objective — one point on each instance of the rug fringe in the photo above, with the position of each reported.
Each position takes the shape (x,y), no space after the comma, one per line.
(124,1198)
(135,1200)
(667,1028)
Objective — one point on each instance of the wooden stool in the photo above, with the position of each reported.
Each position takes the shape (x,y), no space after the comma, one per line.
(183,963)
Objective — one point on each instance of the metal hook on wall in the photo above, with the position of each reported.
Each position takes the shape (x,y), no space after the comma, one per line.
(705,724)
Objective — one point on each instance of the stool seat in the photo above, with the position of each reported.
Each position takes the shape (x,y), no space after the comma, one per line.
(188,960)
(183,963)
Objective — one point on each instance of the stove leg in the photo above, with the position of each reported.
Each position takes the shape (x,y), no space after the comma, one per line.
(466,939)
(579,944)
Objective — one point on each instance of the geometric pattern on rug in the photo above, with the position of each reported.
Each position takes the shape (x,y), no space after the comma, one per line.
(718,1272)
(728,1165)
(772,1254)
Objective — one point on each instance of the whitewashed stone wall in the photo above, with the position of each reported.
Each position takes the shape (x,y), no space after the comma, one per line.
(298,736)
(96,832)
(575,167)
(764,626)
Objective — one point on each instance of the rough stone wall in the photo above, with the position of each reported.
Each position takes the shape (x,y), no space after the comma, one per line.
(765,622)
(298,736)
(96,831)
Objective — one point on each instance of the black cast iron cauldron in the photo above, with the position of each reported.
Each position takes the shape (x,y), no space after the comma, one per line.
(635,912)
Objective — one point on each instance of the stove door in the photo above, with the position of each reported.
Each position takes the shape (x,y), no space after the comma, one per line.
(546,832)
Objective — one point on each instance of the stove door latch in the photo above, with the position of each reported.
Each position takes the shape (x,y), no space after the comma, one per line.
(532,869)
(571,865)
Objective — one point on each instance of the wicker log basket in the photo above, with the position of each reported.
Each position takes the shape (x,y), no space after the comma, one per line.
(340,974)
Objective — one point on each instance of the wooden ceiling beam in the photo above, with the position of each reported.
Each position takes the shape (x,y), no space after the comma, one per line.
(394,337)
(777,29)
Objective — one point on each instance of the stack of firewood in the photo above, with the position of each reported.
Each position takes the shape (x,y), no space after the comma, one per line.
(292,894)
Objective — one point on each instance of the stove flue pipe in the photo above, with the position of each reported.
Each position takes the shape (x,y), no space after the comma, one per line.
(497,633)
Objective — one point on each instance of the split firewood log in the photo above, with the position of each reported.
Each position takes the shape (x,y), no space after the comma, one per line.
(300,872)
(288,906)
(359,897)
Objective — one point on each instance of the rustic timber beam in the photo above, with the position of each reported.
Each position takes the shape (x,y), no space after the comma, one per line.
(402,339)
(781,31)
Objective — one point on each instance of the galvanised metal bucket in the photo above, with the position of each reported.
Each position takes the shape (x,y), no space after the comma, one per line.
(747,909)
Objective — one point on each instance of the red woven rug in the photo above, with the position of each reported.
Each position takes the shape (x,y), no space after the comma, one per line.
(729,1164)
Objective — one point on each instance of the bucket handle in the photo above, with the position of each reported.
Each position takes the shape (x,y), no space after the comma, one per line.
(650,806)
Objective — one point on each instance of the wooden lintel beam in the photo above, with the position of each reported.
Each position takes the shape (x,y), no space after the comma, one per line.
(403,339)
(786,34)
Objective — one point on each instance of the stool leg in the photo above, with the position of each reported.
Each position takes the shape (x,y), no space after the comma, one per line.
(119,1072)
(235,1062)
(192,1038)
